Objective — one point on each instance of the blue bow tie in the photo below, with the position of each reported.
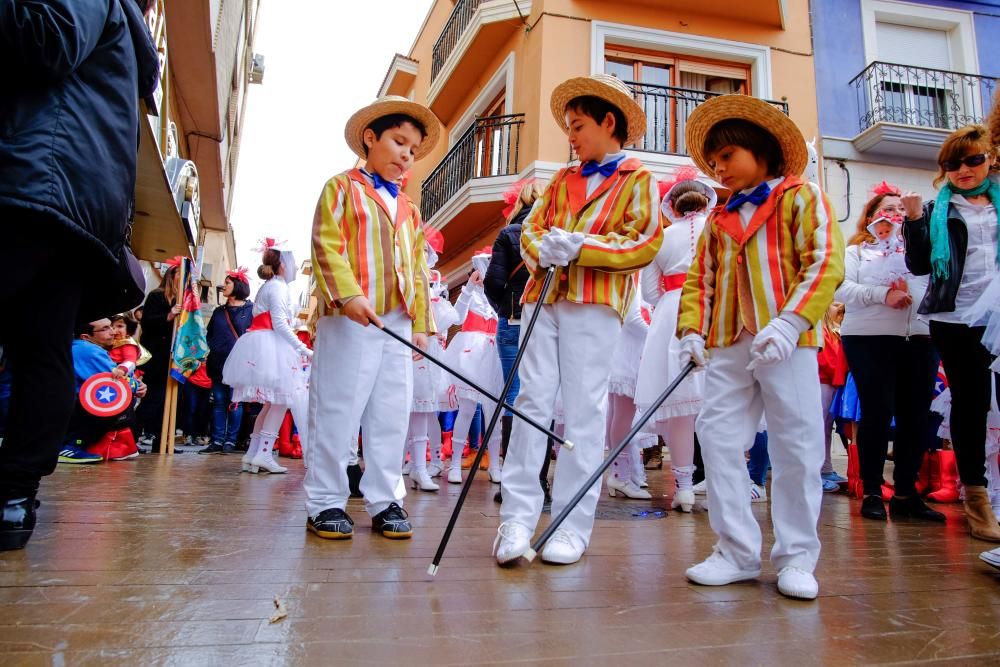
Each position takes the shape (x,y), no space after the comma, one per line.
(391,186)
(591,167)
(757,197)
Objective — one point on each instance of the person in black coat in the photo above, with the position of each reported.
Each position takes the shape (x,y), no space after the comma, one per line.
(160,310)
(72,77)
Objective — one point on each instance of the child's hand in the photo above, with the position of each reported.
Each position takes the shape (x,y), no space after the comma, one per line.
(359,310)
(475,278)
(898,299)
(420,340)
(913,204)
(119,371)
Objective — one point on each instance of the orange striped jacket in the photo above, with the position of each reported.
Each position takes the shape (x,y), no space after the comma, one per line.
(790,258)
(357,251)
(623,234)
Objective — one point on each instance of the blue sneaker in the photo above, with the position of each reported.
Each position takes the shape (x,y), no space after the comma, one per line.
(830,487)
(834,477)
(74,454)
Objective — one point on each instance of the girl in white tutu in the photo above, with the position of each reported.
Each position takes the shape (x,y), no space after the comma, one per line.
(266,364)
(473,353)
(430,382)
(686,205)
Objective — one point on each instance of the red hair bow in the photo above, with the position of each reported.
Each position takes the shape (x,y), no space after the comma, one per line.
(885,188)
(239,273)
(434,238)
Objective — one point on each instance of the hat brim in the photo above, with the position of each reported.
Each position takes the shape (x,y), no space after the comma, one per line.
(583,86)
(725,107)
(357,124)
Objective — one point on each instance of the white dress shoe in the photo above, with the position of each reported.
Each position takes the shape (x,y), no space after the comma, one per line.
(683,500)
(717,571)
(434,469)
(796,583)
(419,479)
(563,548)
(513,540)
(454,475)
(627,488)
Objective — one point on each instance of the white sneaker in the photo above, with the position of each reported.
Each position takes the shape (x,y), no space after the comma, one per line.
(454,475)
(701,488)
(991,557)
(513,540)
(419,479)
(758,494)
(563,548)
(494,474)
(627,488)
(796,583)
(683,499)
(717,571)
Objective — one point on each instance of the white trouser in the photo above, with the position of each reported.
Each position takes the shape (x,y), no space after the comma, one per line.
(788,394)
(569,348)
(360,378)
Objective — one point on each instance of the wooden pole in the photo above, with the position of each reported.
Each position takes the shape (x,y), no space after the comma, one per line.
(169,424)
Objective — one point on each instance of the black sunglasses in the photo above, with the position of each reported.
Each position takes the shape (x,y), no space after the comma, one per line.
(968,161)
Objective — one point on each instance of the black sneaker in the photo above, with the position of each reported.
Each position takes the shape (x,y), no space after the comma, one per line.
(332,524)
(17,522)
(354,473)
(872,507)
(913,507)
(392,523)
(214,448)
(228,448)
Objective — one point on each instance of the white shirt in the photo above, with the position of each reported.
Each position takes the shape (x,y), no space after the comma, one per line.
(390,201)
(980,258)
(594,180)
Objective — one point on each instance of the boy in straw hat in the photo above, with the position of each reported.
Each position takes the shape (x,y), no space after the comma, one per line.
(370,267)
(598,224)
(763,275)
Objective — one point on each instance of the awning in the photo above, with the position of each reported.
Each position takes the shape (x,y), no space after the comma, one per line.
(158,233)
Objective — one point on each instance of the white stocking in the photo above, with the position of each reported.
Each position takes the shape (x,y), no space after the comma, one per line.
(460,431)
(679,434)
(621,411)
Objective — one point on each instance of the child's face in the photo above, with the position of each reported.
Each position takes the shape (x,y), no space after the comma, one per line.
(737,168)
(591,140)
(391,155)
(883,230)
(119,328)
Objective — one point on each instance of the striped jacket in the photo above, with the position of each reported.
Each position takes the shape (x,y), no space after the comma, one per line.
(790,258)
(357,251)
(623,234)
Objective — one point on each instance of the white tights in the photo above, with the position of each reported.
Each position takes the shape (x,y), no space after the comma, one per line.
(621,412)
(678,433)
(425,429)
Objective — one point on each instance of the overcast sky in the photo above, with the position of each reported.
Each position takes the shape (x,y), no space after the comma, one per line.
(324,60)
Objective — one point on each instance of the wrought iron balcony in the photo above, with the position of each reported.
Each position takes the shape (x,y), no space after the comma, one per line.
(667,109)
(488,148)
(459,20)
(921,97)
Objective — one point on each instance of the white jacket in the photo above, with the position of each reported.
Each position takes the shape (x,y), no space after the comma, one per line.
(864,289)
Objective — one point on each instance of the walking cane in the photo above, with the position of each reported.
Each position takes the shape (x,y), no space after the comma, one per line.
(546,284)
(596,477)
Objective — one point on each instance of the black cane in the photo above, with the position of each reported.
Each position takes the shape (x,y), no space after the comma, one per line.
(565,443)
(596,477)
(546,284)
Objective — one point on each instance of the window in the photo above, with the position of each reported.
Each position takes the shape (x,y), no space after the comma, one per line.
(669,87)
(489,139)
(915,92)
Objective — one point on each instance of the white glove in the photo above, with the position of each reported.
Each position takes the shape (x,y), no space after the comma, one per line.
(570,242)
(693,349)
(305,352)
(773,344)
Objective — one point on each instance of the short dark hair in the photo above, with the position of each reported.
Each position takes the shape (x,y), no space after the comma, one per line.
(752,137)
(131,324)
(383,123)
(598,109)
(82,327)
(241,290)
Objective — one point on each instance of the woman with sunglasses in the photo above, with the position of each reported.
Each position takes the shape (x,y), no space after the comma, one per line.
(954,240)
(890,354)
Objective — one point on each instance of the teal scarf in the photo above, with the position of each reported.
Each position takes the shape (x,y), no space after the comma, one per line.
(940,244)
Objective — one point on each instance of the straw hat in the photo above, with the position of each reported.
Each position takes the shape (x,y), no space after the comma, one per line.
(606,87)
(756,111)
(386,106)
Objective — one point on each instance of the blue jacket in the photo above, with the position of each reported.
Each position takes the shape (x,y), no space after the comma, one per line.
(72,76)
(89,359)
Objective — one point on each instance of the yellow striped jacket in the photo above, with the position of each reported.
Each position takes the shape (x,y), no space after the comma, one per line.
(623,234)
(790,258)
(358,251)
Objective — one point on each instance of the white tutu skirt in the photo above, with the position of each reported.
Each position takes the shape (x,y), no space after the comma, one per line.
(475,356)
(264,368)
(625,364)
(661,364)
(430,381)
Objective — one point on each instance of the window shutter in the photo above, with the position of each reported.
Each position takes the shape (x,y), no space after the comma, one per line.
(910,45)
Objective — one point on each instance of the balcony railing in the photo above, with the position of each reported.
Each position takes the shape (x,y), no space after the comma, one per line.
(921,97)
(667,109)
(459,20)
(488,148)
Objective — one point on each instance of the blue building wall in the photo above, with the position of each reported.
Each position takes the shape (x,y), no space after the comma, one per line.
(840,55)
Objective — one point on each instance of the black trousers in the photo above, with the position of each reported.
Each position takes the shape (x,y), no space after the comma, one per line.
(38,272)
(967,365)
(895,377)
